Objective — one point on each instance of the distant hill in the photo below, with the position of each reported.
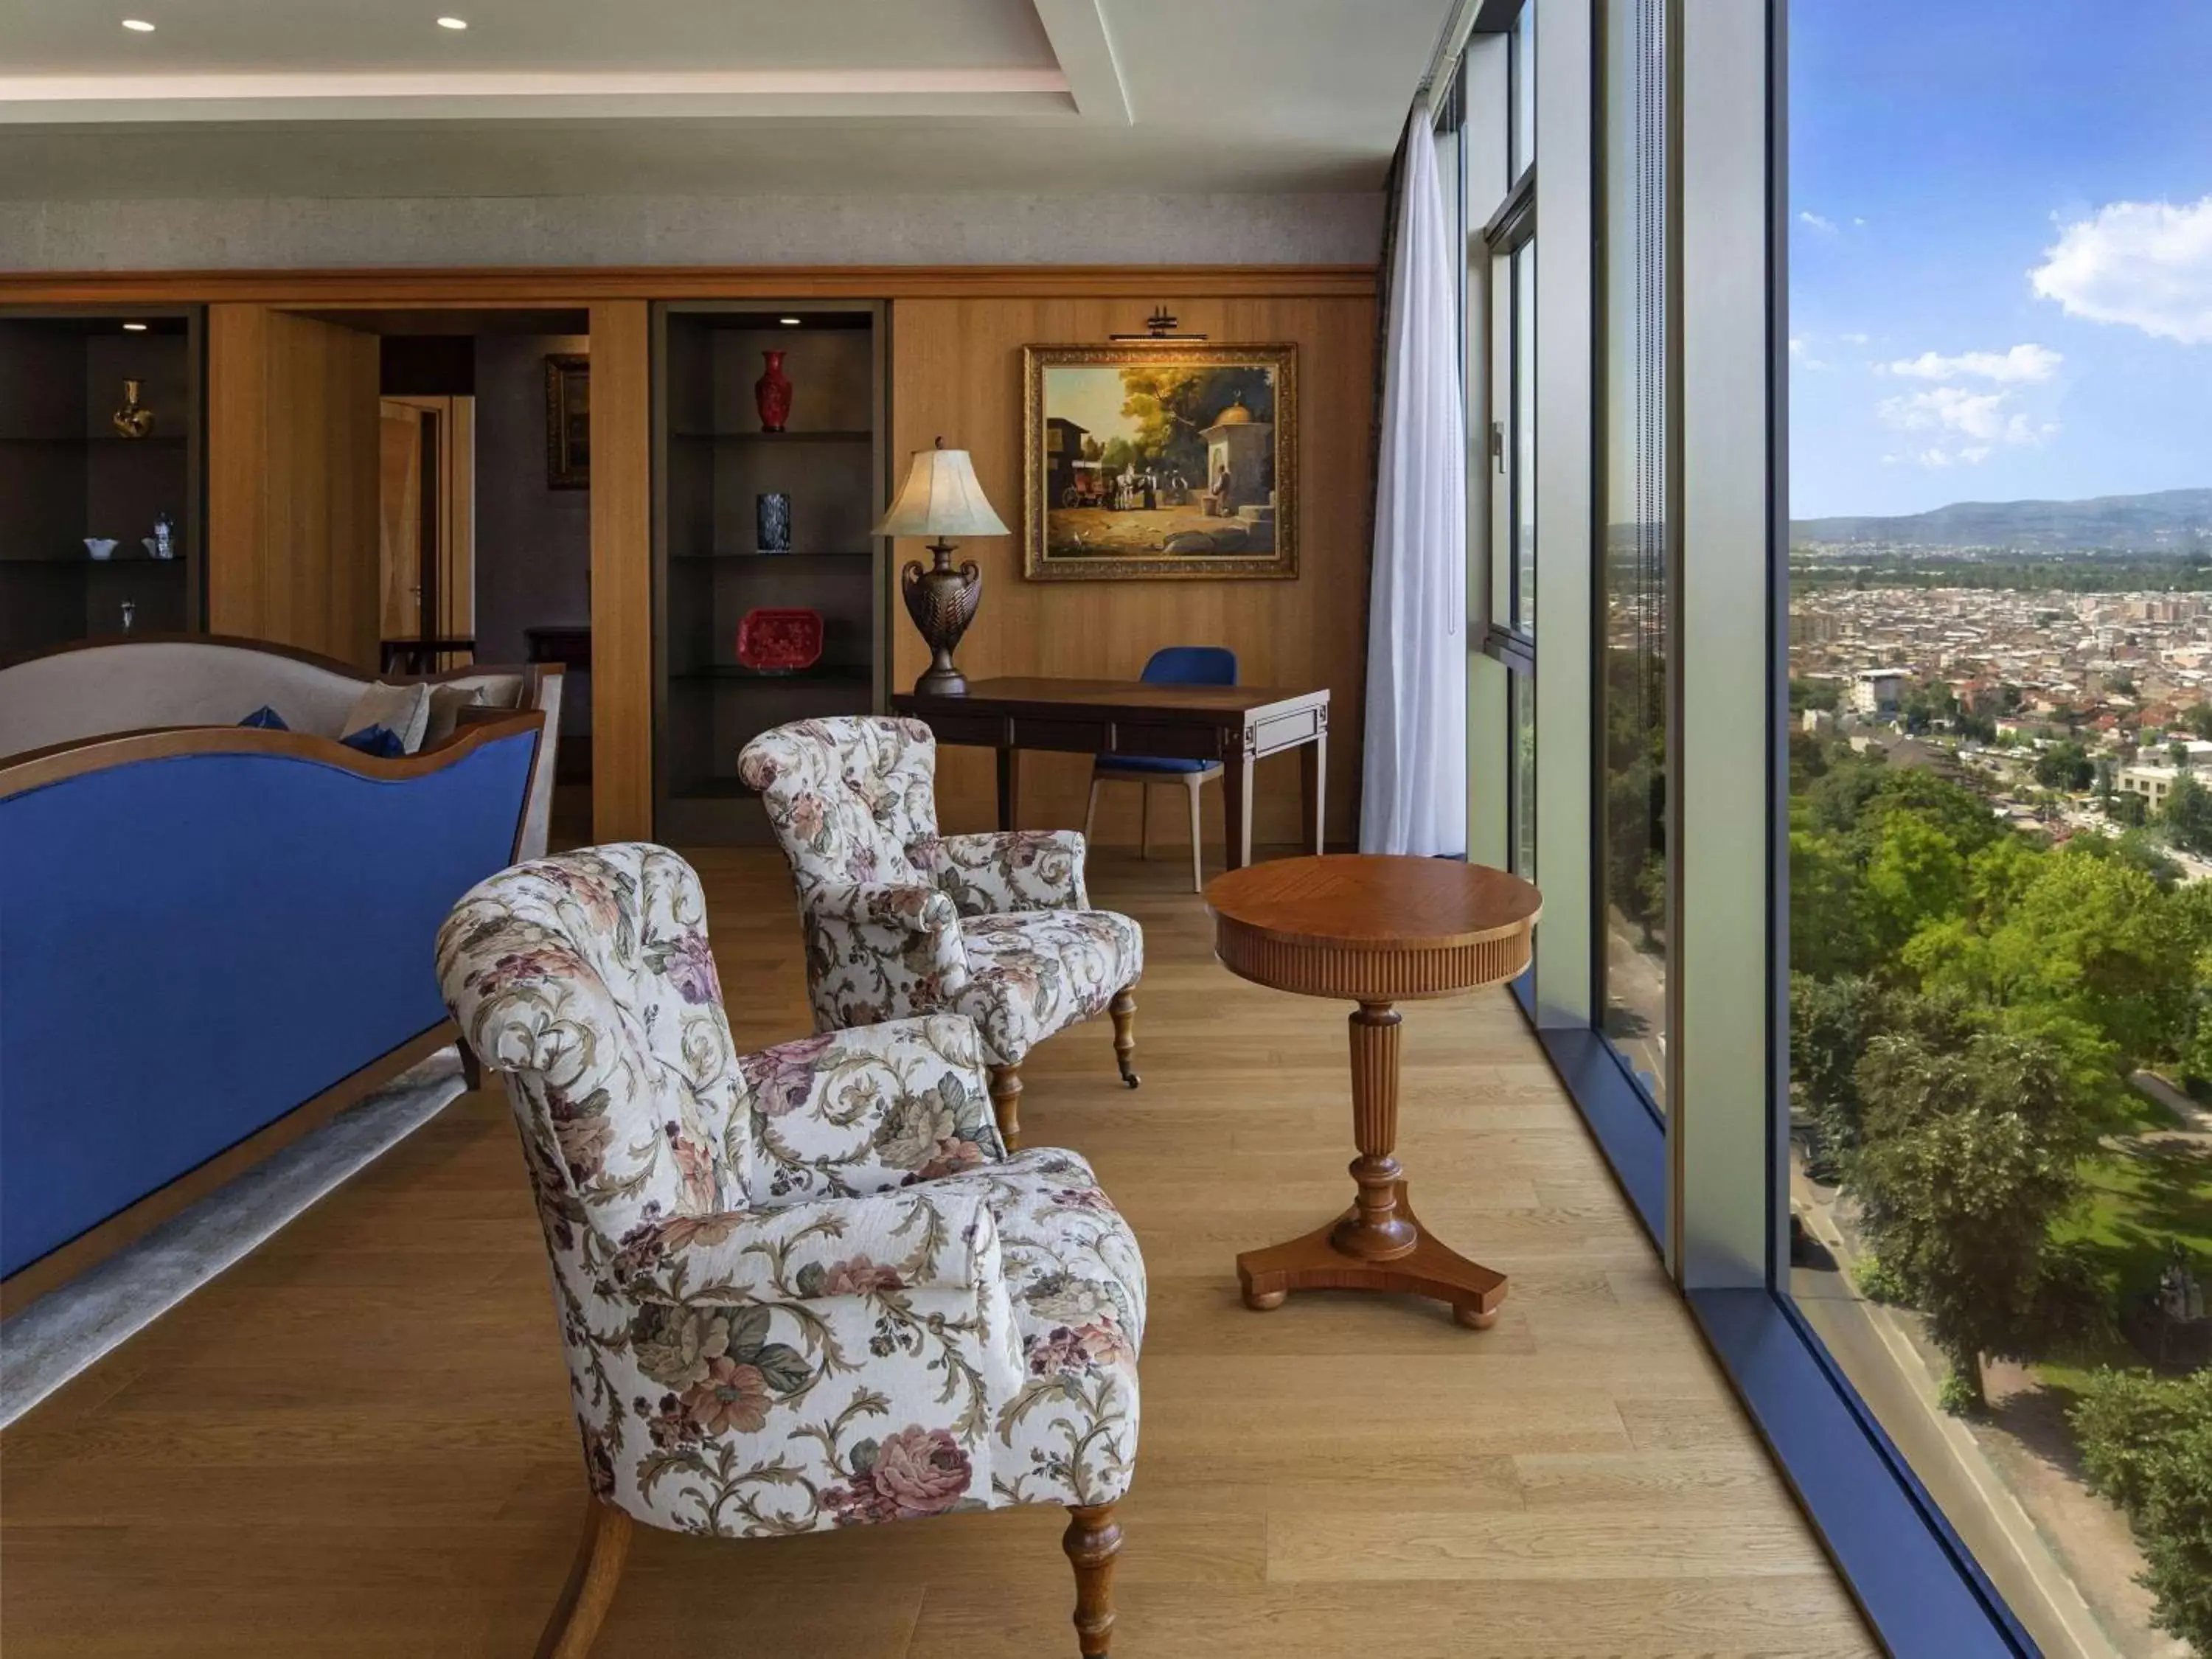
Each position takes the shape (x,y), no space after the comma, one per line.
(2168,521)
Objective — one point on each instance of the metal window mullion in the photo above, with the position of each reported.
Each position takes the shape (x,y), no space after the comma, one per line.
(1720,389)
(1566,322)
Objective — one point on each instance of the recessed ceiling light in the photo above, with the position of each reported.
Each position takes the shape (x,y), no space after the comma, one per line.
(788,322)
(137,26)
(134,328)
(453,22)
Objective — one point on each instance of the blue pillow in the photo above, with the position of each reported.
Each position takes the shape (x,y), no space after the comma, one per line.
(381,741)
(267,718)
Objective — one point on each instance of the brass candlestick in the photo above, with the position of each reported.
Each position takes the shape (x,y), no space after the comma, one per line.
(134,419)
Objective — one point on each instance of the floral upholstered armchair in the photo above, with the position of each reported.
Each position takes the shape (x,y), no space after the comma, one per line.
(901,921)
(798,1289)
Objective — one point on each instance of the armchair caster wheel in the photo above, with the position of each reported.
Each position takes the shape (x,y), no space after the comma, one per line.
(1130,1079)
(1265,1301)
(1475,1320)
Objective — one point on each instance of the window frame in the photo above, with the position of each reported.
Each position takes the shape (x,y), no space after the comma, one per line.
(1703,1177)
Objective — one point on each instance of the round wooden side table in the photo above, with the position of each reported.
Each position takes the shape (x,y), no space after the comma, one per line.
(1375,931)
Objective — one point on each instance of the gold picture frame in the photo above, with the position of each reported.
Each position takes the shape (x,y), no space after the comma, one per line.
(1159,462)
(567,421)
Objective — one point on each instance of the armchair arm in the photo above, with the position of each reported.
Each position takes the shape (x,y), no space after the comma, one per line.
(879,950)
(868,1109)
(925,1238)
(1009,870)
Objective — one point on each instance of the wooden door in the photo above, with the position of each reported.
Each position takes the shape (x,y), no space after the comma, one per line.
(399,519)
(426,515)
(293,450)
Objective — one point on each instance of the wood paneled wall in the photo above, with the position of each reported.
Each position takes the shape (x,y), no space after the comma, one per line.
(621,571)
(292,481)
(292,487)
(956,371)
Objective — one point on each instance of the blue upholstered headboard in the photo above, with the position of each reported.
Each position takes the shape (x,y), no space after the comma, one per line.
(192,944)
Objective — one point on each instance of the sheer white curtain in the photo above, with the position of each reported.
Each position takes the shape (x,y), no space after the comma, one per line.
(1414,793)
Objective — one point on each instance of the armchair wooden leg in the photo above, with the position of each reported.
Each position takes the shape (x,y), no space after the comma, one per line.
(1006,1104)
(1144,819)
(471,1067)
(1091,812)
(1123,1009)
(1194,782)
(591,1587)
(1093,1539)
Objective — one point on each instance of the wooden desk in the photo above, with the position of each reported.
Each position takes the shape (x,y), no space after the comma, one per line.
(1235,724)
(1373,930)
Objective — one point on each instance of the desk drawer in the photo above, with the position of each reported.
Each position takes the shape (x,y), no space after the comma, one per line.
(1286,730)
(1073,734)
(1179,741)
(984,730)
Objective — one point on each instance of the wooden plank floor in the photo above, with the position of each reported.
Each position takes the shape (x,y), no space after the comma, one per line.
(356,1442)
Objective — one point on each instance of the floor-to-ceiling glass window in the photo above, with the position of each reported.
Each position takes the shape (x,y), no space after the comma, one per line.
(1999,853)
(1632,538)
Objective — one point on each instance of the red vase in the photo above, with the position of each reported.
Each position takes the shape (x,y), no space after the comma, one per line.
(772,393)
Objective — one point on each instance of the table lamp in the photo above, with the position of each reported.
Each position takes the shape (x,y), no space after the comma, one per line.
(941,498)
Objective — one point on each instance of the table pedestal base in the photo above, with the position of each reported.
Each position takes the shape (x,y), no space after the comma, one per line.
(1318,1261)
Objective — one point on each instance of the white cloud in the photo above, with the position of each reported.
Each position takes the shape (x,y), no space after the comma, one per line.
(2022,363)
(1853,339)
(1953,413)
(1861,223)
(1815,220)
(1801,353)
(2147,264)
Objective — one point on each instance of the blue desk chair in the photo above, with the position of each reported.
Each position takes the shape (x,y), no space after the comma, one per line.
(1175,665)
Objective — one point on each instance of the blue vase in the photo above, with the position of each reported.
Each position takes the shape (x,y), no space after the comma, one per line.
(772,522)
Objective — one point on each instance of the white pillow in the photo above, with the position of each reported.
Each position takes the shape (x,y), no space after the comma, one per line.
(403,710)
(446,703)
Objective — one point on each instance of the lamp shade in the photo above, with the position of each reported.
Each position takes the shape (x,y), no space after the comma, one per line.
(940,498)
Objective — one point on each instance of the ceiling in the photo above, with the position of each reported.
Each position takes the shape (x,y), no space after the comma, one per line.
(238,98)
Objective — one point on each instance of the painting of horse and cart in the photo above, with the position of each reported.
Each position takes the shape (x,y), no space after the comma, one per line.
(1167,460)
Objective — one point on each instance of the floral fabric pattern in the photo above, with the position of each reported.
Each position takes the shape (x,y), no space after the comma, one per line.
(1040,971)
(892,909)
(1014,870)
(796,1289)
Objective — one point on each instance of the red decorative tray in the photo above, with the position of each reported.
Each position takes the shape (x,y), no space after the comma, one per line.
(773,642)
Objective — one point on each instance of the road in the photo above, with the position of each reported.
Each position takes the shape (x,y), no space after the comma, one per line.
(1875,1353)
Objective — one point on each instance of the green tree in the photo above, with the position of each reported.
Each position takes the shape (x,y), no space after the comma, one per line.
(2088,937)
(2197,717)
(1826,695)
(2188,815)
(2127,807)
(1831,1023)
(1967,1155)
(2147,1444)
(1831,924)
(1916,875)
(2065,766)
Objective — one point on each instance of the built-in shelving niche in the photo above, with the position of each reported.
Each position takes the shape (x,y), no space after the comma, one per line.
(66,474)
(711,463)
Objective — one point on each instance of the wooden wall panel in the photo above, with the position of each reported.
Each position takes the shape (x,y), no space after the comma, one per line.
(956,370)
(292,481)
(622,572)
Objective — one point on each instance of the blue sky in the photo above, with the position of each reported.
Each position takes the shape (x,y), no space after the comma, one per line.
(1947,158)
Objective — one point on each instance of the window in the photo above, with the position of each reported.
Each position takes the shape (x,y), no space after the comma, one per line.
(1631,546)
(1999,1021)
(1510,242)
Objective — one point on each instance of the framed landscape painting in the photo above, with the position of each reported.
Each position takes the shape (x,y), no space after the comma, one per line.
(1160,460)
